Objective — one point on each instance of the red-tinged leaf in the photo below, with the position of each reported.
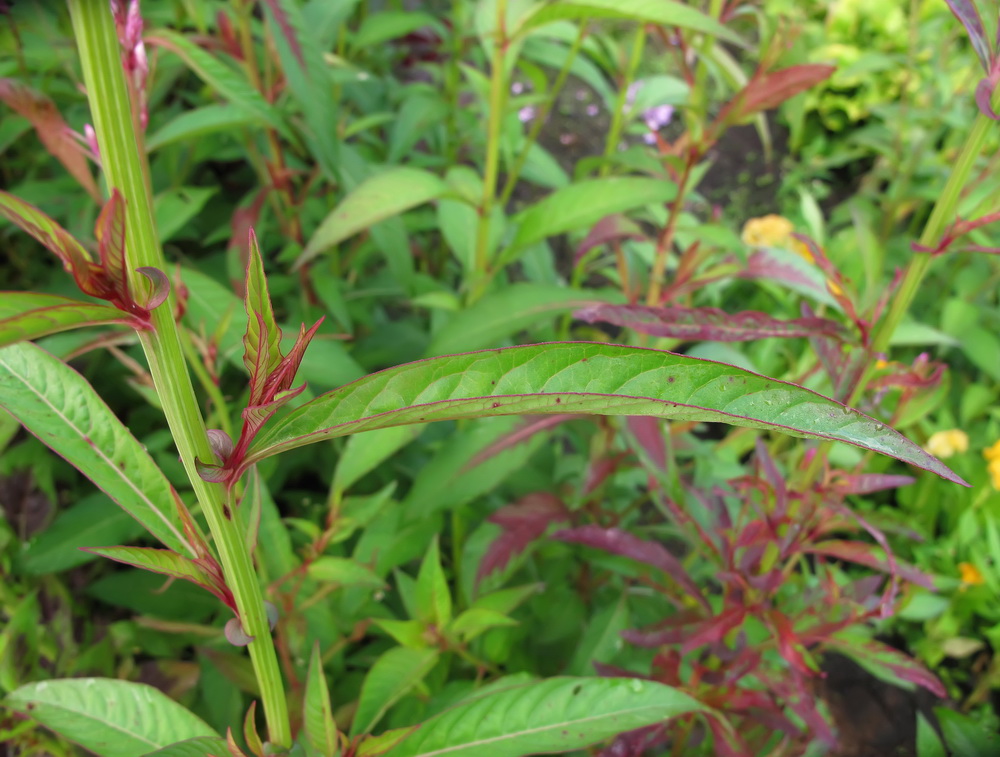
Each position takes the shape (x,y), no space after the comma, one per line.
(519,435)
(619,542)
(674,630)
(161,286)
(49,234)
(868,483)
(608,229)
(773,477)
(162,561)
(866,554)
(263,337)
(287,30)
(52,130)
(648,432)
(713,630)
(211,472)
(768,90)
(522,523)
(221,443)
(707,324)
(967,13)
(25,316)
(900,665)
(600,470)
(789,645)
(794,273)
(110,233)
(984,99)
(598,379)
(234,748)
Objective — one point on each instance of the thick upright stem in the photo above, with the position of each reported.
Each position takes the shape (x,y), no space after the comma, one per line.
(123,166)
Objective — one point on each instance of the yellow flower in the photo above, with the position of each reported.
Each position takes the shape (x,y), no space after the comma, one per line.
(881,365)
(769,231)
(946,443)
(970,574)
(992,453)
(993,468)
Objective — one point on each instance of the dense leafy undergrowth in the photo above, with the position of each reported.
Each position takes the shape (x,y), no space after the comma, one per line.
(577,451)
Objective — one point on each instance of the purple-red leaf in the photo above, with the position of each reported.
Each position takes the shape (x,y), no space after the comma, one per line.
(235,634)
(519,435)
(967,13)
(648,432)
(52,130)
(901,666)
(221,443)
(707,324)
(110,233)
(623,543)
(522,523)
(865,554)
(867,483)
(984,97)
(608,229)
(161,286)
(768,90)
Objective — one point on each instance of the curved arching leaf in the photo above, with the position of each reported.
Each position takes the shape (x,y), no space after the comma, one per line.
(577,377)
(108,717)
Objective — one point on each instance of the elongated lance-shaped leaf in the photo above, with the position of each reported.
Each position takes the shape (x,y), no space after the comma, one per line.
(556,715)
(168,563)
(25,316)
(110,233)
(708,324)
(49,234)
(263,337)
(317,714)
(597,379)
(59,406)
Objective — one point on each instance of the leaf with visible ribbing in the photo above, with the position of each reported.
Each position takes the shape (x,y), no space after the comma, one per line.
(47,232)
(263,337)
(556,715)
(317,715)
(203,746)
(597,379)
(59,406)
(157,561)
(108,717)
(25,316)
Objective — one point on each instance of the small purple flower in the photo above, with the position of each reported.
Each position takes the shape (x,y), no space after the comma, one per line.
(527,113)
(658,117)
(593,110)
(517,88)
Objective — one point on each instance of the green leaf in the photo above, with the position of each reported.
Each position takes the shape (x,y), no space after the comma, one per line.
(928,742)
(598,379)
(963,735)
(433,597)
(584,203)
(226,81)
(365,452)
(556,715)
(263,337)
(91,522)
(344,572)
(176,208)
(108,717)
(59,406)
(203,746)
(160,561)
(200,122)
(389,680)
(381,196)
(505,312)
(46,232)
(666,12)
(317,714)
(26,315)
(477,620)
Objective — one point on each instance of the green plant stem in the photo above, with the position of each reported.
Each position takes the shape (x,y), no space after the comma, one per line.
(542,116)
(123,166)
(618,117)
(491,170)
